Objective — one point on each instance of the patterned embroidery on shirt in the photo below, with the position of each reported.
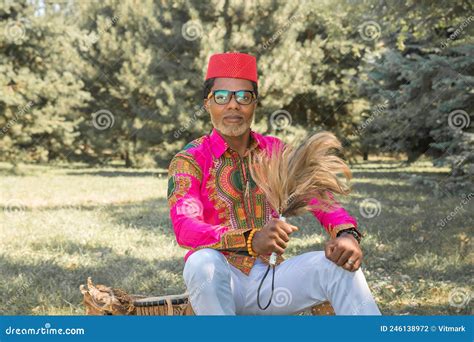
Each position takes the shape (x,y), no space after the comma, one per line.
(219,204)
(194,143)
(235,241)
(334,230)
(242,262)
(226,188)
(184,163)
(245,263)
(232,239)
(178,187)
(225,193)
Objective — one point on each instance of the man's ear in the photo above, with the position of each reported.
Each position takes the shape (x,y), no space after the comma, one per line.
(206,105)
(255,104)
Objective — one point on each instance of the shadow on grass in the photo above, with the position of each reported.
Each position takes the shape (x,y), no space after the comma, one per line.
(105,173)
(71,248)
(381,165)
(151,215)
(51,285)
(377,174)
(384,188)
(425,310)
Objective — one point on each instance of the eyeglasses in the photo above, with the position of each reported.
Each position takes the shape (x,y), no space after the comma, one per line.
(243,97)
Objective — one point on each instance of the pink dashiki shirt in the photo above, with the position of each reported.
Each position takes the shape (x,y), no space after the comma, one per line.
(209,204)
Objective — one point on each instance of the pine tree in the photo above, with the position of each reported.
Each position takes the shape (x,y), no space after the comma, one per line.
(142,77)
(423,79)
(41,90)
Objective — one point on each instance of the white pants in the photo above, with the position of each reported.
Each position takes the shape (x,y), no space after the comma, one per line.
(216,287)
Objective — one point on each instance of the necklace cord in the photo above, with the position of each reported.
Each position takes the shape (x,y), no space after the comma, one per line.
(260,286)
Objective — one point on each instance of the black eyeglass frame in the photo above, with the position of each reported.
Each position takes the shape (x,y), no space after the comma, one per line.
(232,93)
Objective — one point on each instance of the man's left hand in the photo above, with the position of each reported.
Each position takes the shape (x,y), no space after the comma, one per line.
(345,252)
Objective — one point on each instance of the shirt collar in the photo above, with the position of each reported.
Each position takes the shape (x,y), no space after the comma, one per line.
(219,145)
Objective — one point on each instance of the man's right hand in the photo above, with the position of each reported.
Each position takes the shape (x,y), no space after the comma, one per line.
(273,237)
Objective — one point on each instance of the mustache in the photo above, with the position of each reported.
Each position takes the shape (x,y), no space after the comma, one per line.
(233,115)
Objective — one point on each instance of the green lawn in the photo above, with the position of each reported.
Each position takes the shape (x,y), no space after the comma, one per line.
(60,225)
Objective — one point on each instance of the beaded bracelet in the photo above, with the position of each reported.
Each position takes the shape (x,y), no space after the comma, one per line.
(351,231)
(249,243)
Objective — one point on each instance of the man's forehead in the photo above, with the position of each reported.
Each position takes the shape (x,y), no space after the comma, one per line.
(232,84)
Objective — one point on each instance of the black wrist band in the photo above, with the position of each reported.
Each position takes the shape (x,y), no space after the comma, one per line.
(351,231)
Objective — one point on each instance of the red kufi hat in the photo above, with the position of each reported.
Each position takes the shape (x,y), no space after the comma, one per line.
(232,65)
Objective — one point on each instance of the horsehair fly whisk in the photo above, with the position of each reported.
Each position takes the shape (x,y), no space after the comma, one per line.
(291,177)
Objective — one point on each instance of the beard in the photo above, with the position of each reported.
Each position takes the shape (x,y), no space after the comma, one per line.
(233,129)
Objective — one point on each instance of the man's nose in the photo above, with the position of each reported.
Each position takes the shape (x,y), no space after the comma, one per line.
(233,104)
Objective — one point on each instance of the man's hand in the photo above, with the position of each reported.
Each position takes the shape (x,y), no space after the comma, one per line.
(273,237)
(345,252)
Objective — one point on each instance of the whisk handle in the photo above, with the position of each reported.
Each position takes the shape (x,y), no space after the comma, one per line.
(273,257)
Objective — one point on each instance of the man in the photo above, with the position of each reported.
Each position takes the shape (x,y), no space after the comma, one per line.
(222,217)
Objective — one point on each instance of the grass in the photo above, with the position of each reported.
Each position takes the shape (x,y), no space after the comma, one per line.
(59,225)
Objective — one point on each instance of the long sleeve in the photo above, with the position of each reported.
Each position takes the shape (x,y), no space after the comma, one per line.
(333,219)
(186,211)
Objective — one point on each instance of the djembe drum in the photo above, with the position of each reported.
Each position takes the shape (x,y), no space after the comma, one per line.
(174,305)
(104,300)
